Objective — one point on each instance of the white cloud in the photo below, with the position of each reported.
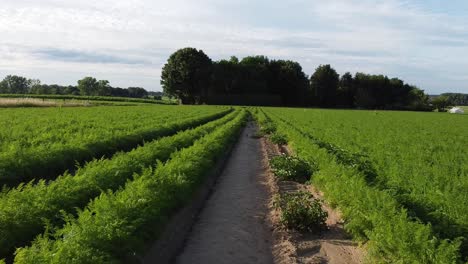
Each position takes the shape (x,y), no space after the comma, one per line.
(385,36)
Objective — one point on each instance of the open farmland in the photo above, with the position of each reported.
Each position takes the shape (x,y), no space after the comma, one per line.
(26,208)
(42,143)
(101,184)
(400,178)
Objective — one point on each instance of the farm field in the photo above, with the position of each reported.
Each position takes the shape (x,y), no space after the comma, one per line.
(43,142)
(26,210)
(400,178)
(100,184)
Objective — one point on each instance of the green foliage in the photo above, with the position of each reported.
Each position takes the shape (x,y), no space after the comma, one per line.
(23,207)
(116,225)
(14,84)
(301,211)
(456,98)
(91,86)
(291,168)
(186,75)
(414,210)
(267,128)
(441,103)
(324,85)
(41,143)
(279,139)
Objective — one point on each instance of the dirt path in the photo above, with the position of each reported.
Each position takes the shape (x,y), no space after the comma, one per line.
(232,226)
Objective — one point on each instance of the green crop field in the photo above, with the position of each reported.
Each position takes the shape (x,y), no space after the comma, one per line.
(42,142)
(99,184)
(400,178)
(138,153)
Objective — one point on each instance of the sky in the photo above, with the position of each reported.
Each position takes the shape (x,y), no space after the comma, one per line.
(424,42)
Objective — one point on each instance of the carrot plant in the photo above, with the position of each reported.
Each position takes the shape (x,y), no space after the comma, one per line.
(43,143)
(23,208)
(115,226)
(397,178)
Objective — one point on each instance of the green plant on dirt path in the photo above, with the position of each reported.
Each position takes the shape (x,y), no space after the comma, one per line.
(279,139)
(267,128)
(301,211)
(291,168)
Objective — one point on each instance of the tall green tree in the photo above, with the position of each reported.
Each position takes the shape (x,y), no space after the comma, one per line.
(346,91)
(103,88)
(225,77)
(88,86)
(324,85)
(186,75)
(440,103)
(14,84)
(137,92)
(288,80)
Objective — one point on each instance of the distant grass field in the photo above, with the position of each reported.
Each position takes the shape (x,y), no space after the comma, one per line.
(465,108)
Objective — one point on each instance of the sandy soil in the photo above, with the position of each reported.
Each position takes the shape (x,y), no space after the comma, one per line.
(233,226)
(332,246)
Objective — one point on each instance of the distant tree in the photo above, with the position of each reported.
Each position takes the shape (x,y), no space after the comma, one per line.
(288,80)
(346,91)
(88,86)
(418,100)
(73,90)
(186,75)
(440,103)
(324,85)
(137,92)
(456,98)
(225,76)
(15,85)
(103,88)
(34,84)
(254,75)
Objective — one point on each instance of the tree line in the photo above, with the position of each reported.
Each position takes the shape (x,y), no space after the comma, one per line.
(88,86)
(456,98)
(447,100)
(194,78)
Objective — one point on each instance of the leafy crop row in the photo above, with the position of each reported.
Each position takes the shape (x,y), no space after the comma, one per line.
(23,208)
(373,212)
(116,225)
(42,143)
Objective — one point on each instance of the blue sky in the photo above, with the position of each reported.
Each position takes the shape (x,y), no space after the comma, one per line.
(127,42)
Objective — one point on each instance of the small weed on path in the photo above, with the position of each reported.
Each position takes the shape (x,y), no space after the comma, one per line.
(290,168)
(301,211)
